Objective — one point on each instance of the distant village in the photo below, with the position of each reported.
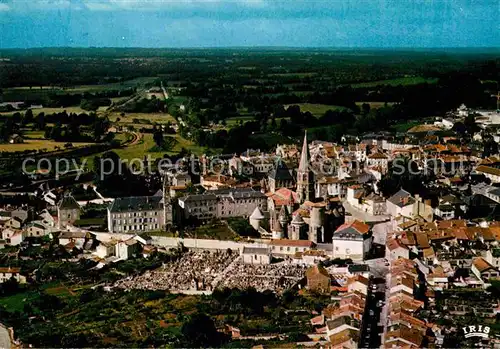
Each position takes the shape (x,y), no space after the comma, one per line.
(338,219)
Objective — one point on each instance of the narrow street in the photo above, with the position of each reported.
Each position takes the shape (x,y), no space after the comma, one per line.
(371,329)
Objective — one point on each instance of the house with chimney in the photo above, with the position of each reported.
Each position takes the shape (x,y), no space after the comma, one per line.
(400,204)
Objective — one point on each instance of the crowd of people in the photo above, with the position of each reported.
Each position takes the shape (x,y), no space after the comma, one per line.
(276,277)
(195,270)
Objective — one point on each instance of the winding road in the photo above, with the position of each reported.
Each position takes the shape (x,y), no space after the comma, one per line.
(4,338)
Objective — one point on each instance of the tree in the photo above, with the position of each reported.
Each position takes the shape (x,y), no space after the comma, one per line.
(40,121)
(366,108)
(274,125)
(28,117)
(56,132)
(100,128)
(158,138)
(6,130)
(199,331)
(470,124)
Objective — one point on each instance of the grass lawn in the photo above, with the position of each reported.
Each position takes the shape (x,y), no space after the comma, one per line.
(231,122)
(218,231)
(395,82)
(403,127)
(160,118)
(36,144)
(16,302)
(142,148)
(33,134)
(146,143)
(316,109)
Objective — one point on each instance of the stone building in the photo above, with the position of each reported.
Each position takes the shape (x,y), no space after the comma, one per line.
(318,279)
(223,203)
(280,177)
(68,211)
(137,214)
(305,177)
(352,240)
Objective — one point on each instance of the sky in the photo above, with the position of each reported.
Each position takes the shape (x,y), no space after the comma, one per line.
(230,23)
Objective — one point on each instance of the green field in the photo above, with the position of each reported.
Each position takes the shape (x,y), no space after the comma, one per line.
(33,134)
(217,231)
(374,105)
(395,82)
(139,82)
(25,93)
(37,111)
(146,143)
(37,144)
(316,109)
(231,122)
(145,118)
(403,127)
(298,74)
(17,301)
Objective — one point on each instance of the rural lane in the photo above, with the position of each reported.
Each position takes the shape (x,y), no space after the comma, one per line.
(4,338)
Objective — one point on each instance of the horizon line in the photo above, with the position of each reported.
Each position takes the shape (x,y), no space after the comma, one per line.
(263,47)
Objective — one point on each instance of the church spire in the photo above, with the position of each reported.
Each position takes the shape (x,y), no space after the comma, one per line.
(304,176)
(304,155)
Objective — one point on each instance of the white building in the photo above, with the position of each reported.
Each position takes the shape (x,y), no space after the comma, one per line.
(400,204)
(106,249)
(36,229)
(8,273)
(492,173)
(290,247)
(78,238)
(378,160)
(127,249)
(395,250)
(352,240)
(256,255)
(12,237)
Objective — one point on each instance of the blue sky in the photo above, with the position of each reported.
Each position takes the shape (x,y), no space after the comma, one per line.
(222,23)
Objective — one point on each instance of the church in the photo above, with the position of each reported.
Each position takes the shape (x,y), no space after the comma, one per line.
(294,211)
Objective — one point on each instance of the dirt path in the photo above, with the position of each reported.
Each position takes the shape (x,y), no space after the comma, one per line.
(4,338)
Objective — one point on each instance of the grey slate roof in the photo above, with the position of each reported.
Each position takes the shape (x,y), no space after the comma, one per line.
(136,203)
(398,198)
(198,197)
(452,199)
(280,172)
(236,193)
(68,203)
(358,267)
(256,250)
